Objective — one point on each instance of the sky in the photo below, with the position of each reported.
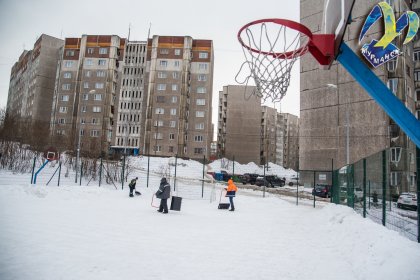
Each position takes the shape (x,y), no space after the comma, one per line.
(23,21)
(91,232)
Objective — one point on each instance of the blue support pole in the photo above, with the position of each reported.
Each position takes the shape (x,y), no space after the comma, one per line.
(380,93)
(39,170)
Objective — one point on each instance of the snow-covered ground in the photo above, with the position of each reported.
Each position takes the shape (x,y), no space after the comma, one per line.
(91,232)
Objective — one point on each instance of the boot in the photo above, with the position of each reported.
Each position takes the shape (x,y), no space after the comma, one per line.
(232,209)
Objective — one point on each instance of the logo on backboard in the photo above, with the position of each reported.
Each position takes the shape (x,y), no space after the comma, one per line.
(379,52)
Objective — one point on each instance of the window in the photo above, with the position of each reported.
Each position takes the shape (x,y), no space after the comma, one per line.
(172,124)
(95,121)
(174,87)
(100,73)
(198,151)
(64,98)
(159,111)
(67,75)
(68,64)
(201,102)
(61,132)
(85,96)
(161,87)
(63,110)
(102,62)
(69,53)
(395,154)
(416,55)
(171,136)
(174,99)
(97,97)
(163,63)
(177,51)
(417,97)
(87,74)
(198,138)
(89,62)
(160,99)
(85,85)
(94,133)
(412,158)
(175,75)
(171,149)
(62,121)
(162,75)
(391,65)
(417,75)
(393,85)
(199,126)
(176,63)
(82,121)
(164,51)
(65,86)
(394,178)
(96,109)
(103,50)
(83,109)
(90,50)
(201,90)
(158,123)
(202,77)
(203,55)
(157,148)
(99,85)
(173,112)
(158,135)
(199,114)
(202,66)
(81,132)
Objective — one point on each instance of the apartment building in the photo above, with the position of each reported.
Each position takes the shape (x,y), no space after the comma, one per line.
(86,89)
(31,89)
(239,124)
(179,75)
(338,119)
(287,141)
(416,56)
(268,135)
(131,100)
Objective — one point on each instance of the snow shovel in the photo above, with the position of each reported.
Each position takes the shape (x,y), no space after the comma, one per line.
(222,205)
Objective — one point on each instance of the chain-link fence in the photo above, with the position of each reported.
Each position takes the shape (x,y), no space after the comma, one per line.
(382,187)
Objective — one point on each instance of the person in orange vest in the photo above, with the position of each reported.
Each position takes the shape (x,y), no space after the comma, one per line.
(230,192)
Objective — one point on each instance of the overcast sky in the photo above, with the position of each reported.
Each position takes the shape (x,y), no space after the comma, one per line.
(23,21)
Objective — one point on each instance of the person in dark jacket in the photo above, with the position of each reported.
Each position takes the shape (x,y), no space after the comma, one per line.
(164,192)
(132,186)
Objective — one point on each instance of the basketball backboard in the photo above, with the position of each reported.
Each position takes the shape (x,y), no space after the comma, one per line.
(335,19)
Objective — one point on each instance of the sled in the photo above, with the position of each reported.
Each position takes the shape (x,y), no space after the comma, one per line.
(222,205)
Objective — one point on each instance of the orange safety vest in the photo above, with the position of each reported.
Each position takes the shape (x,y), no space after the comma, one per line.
(231,186)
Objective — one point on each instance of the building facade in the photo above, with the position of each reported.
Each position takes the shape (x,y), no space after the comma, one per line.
(239,124)
(339,121)
(268,135)
(31,89)
(179,75)
(86,89)
(131,100)
(287,141)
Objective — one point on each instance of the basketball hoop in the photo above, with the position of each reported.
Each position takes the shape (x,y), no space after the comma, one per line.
(270,58)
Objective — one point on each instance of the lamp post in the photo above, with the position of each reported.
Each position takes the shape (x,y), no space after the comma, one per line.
(78,142)
(347,126)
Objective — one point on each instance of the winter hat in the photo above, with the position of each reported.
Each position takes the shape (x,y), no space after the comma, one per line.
(163,180)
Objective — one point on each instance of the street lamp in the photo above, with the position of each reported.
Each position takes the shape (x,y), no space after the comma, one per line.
(347,125)
(78,142)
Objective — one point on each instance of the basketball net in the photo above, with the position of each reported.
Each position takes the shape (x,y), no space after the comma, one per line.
(266,61)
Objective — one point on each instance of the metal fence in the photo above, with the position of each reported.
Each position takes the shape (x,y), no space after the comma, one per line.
(372,187)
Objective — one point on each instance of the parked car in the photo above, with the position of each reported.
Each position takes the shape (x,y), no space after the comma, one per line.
(407,200)
(275,181)
(249,178)
(261,181)
(322,190)
(358,194)
(293,180)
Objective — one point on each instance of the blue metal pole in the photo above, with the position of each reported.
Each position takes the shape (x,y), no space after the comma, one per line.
(380,93)
(39,170)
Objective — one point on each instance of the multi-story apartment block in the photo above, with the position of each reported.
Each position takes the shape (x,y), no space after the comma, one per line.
(87,83)
(416,56)
(239,124)
(287,141)
(341,121)
(31,89)
(129,123)
(268,135)
(179,75)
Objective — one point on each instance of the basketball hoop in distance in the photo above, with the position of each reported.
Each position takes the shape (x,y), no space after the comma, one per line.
(51,154)
(271,47)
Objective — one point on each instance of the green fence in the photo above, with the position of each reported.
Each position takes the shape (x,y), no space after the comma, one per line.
(373,185)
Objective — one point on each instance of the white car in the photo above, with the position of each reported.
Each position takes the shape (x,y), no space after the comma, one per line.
(407,200)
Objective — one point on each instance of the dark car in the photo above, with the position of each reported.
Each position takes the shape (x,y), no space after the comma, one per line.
(249,178)
(262,181)
(275,181)
(322,190)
